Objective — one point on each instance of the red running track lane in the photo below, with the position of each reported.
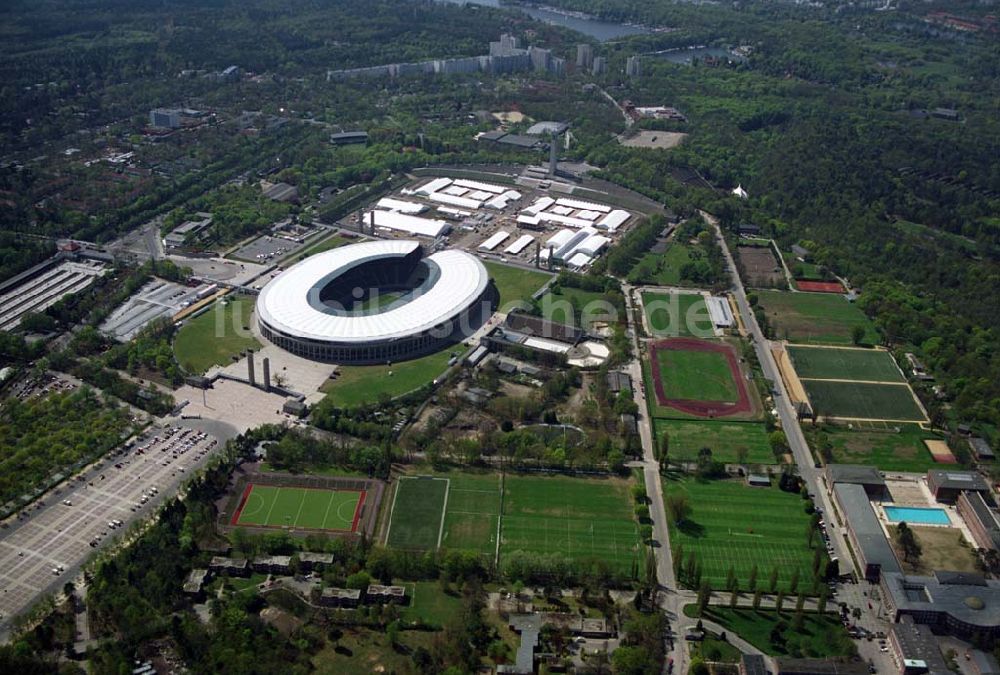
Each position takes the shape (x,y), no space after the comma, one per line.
(819,286)
(695,407)
(243,503)
(357,511)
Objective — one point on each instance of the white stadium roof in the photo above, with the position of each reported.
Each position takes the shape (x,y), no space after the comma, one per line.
(284,304)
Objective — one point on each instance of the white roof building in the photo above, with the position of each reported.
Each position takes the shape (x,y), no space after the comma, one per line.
(401,222)
(520,244)
(494,241)
(464,202)
(433,186)
(614,220)
(577,204)
(484,187)
(390,204)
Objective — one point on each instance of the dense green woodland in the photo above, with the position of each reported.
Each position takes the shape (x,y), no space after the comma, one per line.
(41,436)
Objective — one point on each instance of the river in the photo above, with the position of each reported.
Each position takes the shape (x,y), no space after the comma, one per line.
(595,28)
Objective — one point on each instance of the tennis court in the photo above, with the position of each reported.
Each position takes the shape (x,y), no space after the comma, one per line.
(299,508)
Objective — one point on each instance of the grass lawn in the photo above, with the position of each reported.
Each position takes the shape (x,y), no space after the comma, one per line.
(430,604)
(356,385)
(677,315)
(417,512)
(821,636)
(802,270)
(699,376)
(590,306)
(577,518)
(214,337)
(819,318)
(732,525)
(845,364)
(716,651)
(669,265)
(889,451)
(514,283)
(333,241)
(686,438)
(655,409)
(863,400)
(305,508)
(942,548)
(362,651)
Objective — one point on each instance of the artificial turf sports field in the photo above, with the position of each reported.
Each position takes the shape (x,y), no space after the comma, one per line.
(686,438)
(677,314)
(863,400)
(815,318)
(469,504)
(825,363)
(574,517)
(696,376)
(732,525)
(299,508)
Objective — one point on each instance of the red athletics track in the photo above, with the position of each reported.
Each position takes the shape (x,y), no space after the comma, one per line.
(694,407)
(819,286)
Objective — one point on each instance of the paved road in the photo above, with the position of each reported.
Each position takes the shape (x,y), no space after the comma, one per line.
(671,598)
(812,476)
(43,550)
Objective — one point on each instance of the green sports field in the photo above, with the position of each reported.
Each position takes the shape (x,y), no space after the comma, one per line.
(732,525)
(298,508)
(417,513)
(825,363)
(573,517)
(677,315)
(564,306)
(888,449)
(817,318)
(515,284)
(471,506)
(863,400)
(358,385)
(696,376)
(686,438)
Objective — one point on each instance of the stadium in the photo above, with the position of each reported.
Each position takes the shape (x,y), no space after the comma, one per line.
(375,302)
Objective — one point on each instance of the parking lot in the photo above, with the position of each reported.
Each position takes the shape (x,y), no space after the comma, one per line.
(267,249)
(44,547)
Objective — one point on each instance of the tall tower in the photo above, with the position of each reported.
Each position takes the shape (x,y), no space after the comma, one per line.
(553,155)
(584,56)
(250,375)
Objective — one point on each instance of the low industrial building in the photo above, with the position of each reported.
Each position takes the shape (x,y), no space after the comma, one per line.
(752,664)
(790,666)
(380,595)
(946,485)
(980,519)
(347,598)
(349,138)
(187,230)
(915,649)
(529,626)
(981,449)
(309,561)
(868,477)
(619,381)
(280,192)
(963,604)
(234,567)
(275,564)
(196,580)
(874,554)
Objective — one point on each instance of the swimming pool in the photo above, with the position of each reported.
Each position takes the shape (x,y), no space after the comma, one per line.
(913,515)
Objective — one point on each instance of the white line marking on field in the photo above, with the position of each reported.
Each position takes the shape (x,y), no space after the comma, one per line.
(444,510)
(267,518)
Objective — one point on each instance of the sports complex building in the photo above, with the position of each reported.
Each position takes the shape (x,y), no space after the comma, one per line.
(375,302)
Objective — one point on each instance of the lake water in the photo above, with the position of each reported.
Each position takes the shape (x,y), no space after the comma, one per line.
(595,28)
(686,56)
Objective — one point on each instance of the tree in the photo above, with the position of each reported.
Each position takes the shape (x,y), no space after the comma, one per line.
(752,581)
(704,595)
(734,598)
(664,457)
(779,601)
(793,583)
(857,334)
(772,581)
(821,603)
(730,578)
(678,506)
(756,599)
(907,541)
